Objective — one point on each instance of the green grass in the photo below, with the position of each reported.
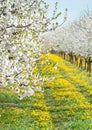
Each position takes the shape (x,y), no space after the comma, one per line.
(64,110)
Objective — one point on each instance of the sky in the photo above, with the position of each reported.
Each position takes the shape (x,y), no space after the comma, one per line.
(75,8)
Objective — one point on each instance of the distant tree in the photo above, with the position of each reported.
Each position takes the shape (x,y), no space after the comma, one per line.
(75,37)
(84,27)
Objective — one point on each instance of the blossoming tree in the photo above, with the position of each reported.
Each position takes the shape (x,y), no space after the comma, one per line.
(74,37)
(21,24)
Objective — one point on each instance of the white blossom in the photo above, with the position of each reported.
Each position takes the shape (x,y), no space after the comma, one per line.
(22,23)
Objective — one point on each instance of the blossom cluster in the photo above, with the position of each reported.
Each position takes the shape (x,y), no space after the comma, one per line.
(21,24)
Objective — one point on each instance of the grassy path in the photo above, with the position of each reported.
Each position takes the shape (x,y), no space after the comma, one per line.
(65,104)
(69,104)
(30,114)
(75,76)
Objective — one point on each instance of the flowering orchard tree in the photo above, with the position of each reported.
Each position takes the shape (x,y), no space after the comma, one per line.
(21,24)
(75,37)
(80,35)
(84,33)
